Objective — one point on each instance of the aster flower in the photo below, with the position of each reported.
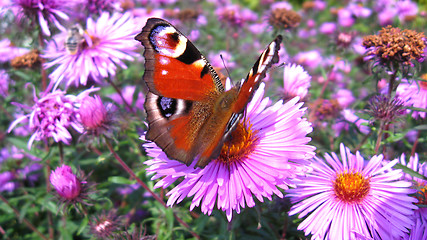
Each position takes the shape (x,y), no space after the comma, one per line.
(384,109)
(96,118)
(45,11)
(414,95)
(127,94)
(106,43)
(296,82)
(105,225)
(8,51)
(343,197)
(328,28)
(265,152)
(311,59)
(4,83)
(234,15)
(51,115)
(419,230)
(6,182)
(70,188)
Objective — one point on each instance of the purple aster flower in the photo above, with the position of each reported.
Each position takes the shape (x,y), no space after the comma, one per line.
(406,9)
(296,82)
(9,52)
(328,28)
(414,95)
(344,97)
(386,15)
(65,182)
(4,83)
(106,43)
(6,183)
(30,173)
(52,114)
(419,230)
(218,62)
(127,94)
(268,151)
(71,188)
(311,59)
(234,15)
(343,197)
(45,11)
(92,112)
(345,18)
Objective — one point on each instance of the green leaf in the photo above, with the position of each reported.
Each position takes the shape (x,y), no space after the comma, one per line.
(120,180)
(83,225)
(410,171)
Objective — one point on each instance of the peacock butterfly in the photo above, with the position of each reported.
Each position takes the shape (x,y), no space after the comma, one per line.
(189,113)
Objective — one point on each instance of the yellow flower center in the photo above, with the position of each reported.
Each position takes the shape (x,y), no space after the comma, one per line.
(241,143)
(351,187)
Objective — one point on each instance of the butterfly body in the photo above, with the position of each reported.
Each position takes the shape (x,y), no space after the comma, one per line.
(189,113)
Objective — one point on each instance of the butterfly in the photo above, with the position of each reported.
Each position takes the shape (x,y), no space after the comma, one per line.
(189,113)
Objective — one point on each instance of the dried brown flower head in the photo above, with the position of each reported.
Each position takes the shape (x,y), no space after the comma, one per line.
(393,45)
(308,5)
(184,15)
(282,18)
(29,60)
(326,109)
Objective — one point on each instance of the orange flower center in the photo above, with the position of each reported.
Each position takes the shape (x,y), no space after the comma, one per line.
(241,143)
(351,187)
(423,84)
(421,194)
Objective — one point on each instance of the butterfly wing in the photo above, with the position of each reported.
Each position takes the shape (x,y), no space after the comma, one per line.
(231,115)
(256,74)
(174,68)
(182,86)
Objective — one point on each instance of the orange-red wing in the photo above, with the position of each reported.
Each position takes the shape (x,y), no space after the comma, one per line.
(256,74)
(174,68)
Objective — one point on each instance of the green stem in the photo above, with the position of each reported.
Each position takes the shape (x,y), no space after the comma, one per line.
(380,135)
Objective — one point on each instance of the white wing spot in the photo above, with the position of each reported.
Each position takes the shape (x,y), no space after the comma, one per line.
(250,89)
(164,72)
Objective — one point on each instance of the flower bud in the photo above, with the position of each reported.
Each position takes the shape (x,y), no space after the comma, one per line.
(65,182)
(92,112)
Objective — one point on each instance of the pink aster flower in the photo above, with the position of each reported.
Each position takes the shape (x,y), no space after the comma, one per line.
(4,83)
(414,95)
(71,188)
(311,59)
(343,197)
(9,52)
(45,11)
(106,44)
(296,81)
(270,150)
(419,230)
(66,183)
(51,116)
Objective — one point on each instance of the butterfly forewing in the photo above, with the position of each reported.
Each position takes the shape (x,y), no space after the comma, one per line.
(174,67)
(257,73)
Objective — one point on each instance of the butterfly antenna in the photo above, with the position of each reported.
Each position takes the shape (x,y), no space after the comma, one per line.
(225,66)
(273,68)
